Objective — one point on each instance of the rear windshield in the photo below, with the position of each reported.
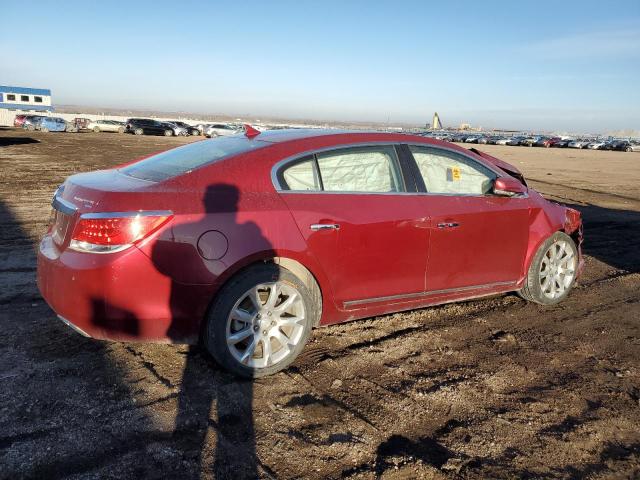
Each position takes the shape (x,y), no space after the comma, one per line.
(189,157)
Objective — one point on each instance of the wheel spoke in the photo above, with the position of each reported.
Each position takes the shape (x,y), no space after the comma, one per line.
(254,296)
(280,337)
(289,321)
(248,353)
(266,351)
(284,306)
(239,336)
(242,315)
(273,295)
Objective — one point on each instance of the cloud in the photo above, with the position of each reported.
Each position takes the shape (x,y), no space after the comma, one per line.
(618,43)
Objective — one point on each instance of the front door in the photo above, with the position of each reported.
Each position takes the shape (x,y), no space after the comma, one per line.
(369,236)
(477,239)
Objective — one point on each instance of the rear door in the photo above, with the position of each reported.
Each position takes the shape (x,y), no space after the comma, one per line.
(478,239)
(360,223)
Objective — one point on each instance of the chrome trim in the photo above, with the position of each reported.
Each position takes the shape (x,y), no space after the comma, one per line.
(143,213)
(73,327)
(298,156)
(324,226)
(410,296)
(63,205)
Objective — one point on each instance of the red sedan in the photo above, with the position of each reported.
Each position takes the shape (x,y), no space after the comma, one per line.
(247,242)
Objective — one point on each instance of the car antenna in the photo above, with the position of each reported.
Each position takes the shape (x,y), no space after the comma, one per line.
(250,132)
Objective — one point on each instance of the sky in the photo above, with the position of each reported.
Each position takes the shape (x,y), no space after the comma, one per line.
(562,65)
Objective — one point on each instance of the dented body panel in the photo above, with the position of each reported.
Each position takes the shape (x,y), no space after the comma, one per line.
(388,255)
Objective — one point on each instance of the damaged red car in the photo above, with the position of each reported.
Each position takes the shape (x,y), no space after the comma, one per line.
(246,243)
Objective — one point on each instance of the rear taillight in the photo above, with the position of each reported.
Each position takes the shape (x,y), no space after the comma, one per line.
(114,232)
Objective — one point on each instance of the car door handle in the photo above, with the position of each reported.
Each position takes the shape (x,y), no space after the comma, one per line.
(324,226)
(448,225)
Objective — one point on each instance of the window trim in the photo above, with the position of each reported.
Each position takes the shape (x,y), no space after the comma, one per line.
(280,185)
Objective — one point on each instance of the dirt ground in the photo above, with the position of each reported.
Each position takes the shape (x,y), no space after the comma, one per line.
(493,388)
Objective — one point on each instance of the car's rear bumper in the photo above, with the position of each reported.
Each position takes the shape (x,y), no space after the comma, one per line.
(120,296)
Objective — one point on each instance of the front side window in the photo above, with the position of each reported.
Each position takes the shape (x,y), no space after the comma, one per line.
(11,96)
(450,173)
(24,98)
(37,99)
(360,169)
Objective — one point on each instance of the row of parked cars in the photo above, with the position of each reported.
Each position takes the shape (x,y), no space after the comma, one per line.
(541,141)
(136,126)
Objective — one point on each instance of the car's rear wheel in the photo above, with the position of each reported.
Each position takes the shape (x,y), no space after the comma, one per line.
(629,149)
(552,272)
(120,129)
(260,321)
(168,133)
(44,129)
(31,128)
(138,131)
(96,129)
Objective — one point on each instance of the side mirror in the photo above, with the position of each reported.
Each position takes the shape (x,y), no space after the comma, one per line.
(508,187)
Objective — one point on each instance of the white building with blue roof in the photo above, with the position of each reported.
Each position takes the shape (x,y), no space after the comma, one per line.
(20,100)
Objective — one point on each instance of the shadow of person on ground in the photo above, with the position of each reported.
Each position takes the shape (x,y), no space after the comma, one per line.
(203,384)
(8,141)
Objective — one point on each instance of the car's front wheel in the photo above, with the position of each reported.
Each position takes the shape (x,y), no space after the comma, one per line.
(260,321)
(96,129)
(138,131)
(552,272)
(168,133)
(120,129)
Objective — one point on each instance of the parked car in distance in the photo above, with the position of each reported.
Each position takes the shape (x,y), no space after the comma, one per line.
(56,124)
(624,146)
(562,143)
(106,126)
(633,146)
(146,126)
(18,120)
(580,143)
(502,141)
(529,141)
(247,242)
(32,122)
(189,129)
(597,144)
(222,130)
(81,123)
(514,141)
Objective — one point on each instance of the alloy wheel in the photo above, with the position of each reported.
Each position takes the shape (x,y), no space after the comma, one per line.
(557,269)
(266,324)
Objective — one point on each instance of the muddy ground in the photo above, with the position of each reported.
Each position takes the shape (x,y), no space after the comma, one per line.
(493,388)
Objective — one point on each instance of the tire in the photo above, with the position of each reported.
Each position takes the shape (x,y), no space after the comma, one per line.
(629,149)
(256,328)
(168,133)
(138,131)
(120,129)
(195,132)
(96,129)
(31,128)
(44,129)
(556,285)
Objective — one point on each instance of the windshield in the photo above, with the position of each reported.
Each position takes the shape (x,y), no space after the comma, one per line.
(189,157)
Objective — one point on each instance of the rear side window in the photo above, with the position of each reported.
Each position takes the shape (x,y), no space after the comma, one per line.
(302,175)
(189,157)
(449,173)
(371,169)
